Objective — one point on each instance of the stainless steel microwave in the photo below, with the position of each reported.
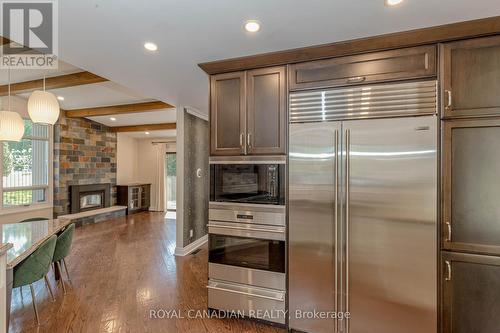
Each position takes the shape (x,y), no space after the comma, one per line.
(251,182)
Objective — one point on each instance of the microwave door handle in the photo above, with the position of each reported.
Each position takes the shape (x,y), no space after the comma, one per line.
(270,183)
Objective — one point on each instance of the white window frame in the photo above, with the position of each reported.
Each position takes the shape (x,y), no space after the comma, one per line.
(48,203)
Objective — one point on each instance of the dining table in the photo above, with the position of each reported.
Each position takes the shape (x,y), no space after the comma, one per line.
(25,238)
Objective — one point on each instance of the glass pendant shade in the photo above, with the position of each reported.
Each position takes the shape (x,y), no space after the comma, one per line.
(11,126)
(43,107)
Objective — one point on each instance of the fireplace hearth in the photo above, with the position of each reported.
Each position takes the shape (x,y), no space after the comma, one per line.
(89,197)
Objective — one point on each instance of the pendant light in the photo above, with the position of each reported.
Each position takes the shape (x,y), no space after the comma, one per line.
(43,107)
(11,123)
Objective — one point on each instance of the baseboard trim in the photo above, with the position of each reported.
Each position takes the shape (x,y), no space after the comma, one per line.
(184,251)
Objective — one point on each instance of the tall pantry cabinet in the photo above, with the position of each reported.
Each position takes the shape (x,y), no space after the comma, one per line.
(470,256)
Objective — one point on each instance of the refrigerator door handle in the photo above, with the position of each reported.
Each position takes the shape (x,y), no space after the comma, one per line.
(347,219)
(335,226)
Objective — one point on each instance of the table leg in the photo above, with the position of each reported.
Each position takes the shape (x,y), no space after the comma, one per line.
(9,282)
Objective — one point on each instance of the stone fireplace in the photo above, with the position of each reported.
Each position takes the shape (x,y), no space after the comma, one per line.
(84,153)
(89,197)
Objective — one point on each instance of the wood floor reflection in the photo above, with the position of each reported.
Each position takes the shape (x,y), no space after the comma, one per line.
(121,270)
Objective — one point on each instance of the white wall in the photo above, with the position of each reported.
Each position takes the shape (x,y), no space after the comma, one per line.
(127,159)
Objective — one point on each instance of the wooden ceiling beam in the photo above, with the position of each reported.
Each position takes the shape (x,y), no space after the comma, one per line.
(145,128)
(55,82)
(117,109)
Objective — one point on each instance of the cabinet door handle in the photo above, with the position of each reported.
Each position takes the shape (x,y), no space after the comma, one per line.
(242,137)
(249,140)
(356,79)
(448,99)
(448,225)
(448,270)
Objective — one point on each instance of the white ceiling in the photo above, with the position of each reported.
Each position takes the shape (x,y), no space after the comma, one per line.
(98,94)
(171,134)
(152,117)
(107,37)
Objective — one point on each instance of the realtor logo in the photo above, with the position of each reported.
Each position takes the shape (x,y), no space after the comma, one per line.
(31,28)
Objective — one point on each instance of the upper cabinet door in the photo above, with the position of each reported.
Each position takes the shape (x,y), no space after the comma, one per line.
(471,185)
(266,114)
(227,114)
(402,64)
(471,77)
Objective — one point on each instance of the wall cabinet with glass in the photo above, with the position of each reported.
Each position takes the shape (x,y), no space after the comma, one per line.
(136,197)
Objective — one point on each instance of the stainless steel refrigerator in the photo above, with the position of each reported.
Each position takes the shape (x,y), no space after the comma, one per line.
(362,209)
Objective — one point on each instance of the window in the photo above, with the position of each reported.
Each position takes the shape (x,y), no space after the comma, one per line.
(26,168)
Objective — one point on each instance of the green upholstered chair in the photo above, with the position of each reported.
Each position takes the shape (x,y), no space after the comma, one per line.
(63,246)
(35,219)
(35,267)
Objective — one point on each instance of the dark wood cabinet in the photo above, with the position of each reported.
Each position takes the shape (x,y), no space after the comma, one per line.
(137,197)
(470,85)
(470,285)
(248,112)
(471,185)
(470,75)
(227,114)
(401,64)
(266,111)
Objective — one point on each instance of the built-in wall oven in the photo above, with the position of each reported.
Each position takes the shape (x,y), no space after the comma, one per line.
(247,239)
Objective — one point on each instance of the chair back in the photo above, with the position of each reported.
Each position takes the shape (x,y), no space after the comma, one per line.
(35,219)
(64,241)
(36,265)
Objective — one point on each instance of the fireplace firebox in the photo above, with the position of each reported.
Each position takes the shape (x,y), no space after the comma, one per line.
(89,197)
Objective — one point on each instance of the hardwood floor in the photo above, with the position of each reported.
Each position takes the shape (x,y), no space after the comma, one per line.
(121,270)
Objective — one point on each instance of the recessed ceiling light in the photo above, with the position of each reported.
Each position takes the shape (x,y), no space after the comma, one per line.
(112,119)
(60,98)
(392,2)
(252,26)
(147,133)
(150,46)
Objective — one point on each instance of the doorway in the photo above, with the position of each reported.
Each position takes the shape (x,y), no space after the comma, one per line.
(170,176)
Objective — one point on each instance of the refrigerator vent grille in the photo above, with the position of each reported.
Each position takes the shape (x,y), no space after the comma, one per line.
(369,101)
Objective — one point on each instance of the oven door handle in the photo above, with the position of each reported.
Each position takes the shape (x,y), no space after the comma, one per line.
(278,299)
(245,229)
